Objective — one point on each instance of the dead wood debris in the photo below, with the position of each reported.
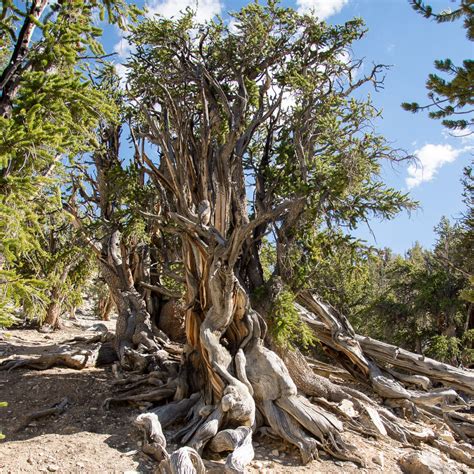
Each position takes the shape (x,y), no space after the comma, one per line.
(56,409)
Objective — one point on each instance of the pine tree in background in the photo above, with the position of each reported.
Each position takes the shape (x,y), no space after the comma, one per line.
(451,98)
(48,112)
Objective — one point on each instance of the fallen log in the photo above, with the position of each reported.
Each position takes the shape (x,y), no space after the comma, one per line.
(402,359)
(334,331)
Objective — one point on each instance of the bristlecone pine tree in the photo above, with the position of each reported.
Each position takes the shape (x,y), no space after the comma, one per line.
(239,134)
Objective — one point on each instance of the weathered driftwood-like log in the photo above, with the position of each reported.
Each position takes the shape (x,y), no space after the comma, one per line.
(335,332)
(400,358)
(99,352)
(156,395)
(72,360)
(416,380)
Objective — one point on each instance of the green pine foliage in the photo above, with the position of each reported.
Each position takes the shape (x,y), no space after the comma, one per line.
(451,94)
(287,329)
(2,404)
(49,112)
(418,301)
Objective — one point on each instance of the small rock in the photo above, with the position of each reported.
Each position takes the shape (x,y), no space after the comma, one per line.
(275,452)
(339,463)
(29,461)
(347,407)
(258,465)
(80,464)
(379,459)
(53,468)
(422,463)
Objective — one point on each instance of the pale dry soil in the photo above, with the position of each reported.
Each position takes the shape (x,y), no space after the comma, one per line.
(88,438)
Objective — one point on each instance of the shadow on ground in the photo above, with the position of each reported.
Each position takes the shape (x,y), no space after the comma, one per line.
(28,391)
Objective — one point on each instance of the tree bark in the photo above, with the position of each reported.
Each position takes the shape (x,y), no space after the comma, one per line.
(133,331)
(105,306)
(53,312)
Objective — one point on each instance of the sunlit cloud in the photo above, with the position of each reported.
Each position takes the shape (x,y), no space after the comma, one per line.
(430,159)
(204,9)
(321,8)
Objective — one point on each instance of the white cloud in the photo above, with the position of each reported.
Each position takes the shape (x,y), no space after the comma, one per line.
(322,8)
(232,25)
(205,9)
(466,136)
(121,71)
(430,159)
(123,48)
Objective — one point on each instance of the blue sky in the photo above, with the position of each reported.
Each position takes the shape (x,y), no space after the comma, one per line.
(408,42)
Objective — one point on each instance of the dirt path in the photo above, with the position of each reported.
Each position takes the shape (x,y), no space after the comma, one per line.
(88,438)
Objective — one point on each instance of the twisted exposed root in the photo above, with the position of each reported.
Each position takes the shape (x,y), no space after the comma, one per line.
(207,430)
(56,409)
(285,426)
(182,461)
(325,426)
(157,395)
(176,411)
(464,454)
(239,442)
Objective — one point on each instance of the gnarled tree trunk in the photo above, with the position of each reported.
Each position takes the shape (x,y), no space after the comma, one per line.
(134,333)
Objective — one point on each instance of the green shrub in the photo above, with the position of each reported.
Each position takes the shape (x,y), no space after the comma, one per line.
(287,328)
(3,404)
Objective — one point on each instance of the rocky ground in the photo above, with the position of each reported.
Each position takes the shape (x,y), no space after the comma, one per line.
(86,437)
